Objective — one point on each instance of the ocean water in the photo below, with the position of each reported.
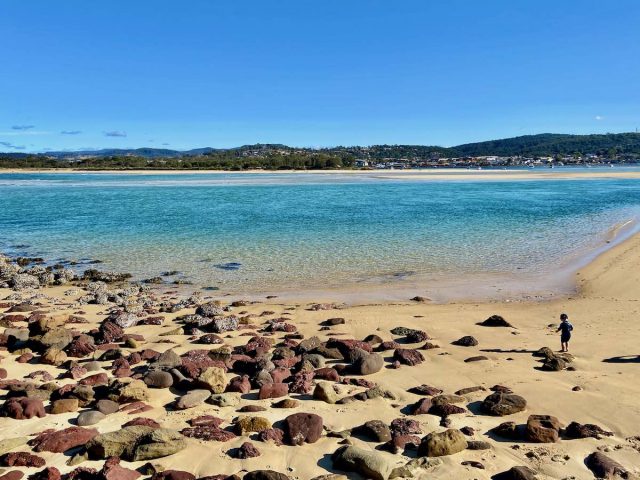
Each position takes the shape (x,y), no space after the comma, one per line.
(261,233)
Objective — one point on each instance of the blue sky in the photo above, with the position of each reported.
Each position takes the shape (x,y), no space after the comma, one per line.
(181,74)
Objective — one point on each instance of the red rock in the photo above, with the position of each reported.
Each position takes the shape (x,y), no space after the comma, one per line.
(22,408)
(113,471)
(208,432)
(147,422)
(405,426)
(49,473)
(62,440)
(22,459)
(274,435)
(81,346)
(280,374)
(12,475)
(239,384)
(95,379)
(347,346)
(273,390)
(149,355)
(421,407)
(247,450)
(327,374)
(76,371)
(208,420)
(302,383)
(109,332)
(446,409)
(399,443)
(408,356)
(303,428)
(82,473)
(25,358)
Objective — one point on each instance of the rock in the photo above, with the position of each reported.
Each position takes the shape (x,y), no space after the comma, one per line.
(375,430)
(477,358)
(96,379)
(247,450)
(124,390)
(370,464)
(57,338)
(273,390)
(302,427)
(507,430)
(239,384)
(125,319)
(272,435)
(248,424)
(543,429)
(408,356)
(577,430)
(210,309)
(604,467)
(495,321)
(168,359)
(555,364)
(23,281)
(466,341)
(158,379)
(448,442)
(63,440)
(224,324)
(113,471)
(22,459)
(369,364)
(324,392)
(399,443)
(192,399)
(213,379)
(265,475)
(425,390)
(517,473)
(109,332)
(22,408)
(229,399)
(49,473)
(286,403)
(107,406)
(421,407)
(136,443)
(53,356)
(501,404)
(208,432)
(90,417)
(478,445)
(13,474)
(65,405)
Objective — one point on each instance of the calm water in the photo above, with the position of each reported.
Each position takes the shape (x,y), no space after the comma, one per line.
(264,232)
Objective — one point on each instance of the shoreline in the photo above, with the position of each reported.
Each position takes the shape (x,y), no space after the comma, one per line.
(439,174)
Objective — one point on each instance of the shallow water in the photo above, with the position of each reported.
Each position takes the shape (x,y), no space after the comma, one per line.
(265,232)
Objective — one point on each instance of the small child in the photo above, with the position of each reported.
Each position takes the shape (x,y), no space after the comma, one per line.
(566,329)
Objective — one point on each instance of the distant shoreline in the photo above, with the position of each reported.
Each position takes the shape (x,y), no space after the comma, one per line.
(408,174)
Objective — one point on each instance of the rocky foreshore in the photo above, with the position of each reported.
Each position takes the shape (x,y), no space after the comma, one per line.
(101,378)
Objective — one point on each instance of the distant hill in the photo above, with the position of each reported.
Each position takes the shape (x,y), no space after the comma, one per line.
(552,144)
(618,146)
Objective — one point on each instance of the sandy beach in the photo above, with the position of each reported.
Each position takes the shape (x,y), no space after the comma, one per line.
(600,386)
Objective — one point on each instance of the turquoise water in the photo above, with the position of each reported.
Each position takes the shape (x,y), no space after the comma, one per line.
(265,232)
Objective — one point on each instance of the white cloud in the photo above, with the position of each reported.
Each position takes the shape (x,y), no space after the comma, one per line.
(599,117)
